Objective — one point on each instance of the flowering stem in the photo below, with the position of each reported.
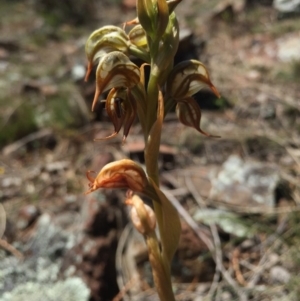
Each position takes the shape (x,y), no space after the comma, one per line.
(152,92)
(160,268)
(161,277)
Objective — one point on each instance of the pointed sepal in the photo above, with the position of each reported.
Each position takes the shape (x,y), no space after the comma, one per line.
(188,78)
(189,114)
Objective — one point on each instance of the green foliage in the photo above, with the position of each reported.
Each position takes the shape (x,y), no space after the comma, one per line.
(18,124)
(73,12)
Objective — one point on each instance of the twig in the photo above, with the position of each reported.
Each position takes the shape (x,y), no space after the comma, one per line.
(119,256)
(262,265)
(124,290)
(29,138)
(236,267)
(2,220)
(217,247)
(191,287)
(10,248)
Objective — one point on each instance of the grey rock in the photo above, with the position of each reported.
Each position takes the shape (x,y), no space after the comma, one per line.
(288,47)
(42,266)
(72,289)
(287,6)
(245,183)
(228,221)
(278,274)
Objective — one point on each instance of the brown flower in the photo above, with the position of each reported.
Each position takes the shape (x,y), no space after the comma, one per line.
(119,174)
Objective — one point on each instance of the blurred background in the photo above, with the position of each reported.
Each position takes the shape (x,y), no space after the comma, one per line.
(238,195)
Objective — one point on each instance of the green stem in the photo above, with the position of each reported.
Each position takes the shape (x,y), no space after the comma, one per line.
(161,277)
(152,93)
(160,268)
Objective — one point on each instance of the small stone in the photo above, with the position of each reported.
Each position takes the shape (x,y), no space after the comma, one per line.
(287,6)
(289,48)
(57,166)
(226,296)
(254,75)
(247,244)
(11,181)
(279,274)
(78,72)
(27,215)
(49,90)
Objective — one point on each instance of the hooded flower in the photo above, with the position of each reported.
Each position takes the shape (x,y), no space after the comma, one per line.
(115,70)
(186,79)
(119,174)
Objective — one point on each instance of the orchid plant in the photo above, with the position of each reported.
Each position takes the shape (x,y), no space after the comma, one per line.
(154,39)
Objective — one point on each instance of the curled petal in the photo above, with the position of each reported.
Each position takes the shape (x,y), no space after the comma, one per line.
(189,114)
(187,78)
(130,114)
(121,108)
(120,174)
(114,106)
(104,40)
(115,70)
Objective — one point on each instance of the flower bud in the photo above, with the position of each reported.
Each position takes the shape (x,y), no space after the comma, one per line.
(153,15)
(187,78)
(146,15)
(119,174)
(137,37)
(168,46)
(142,216)
(104,40)
(115,70)
(162,18)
